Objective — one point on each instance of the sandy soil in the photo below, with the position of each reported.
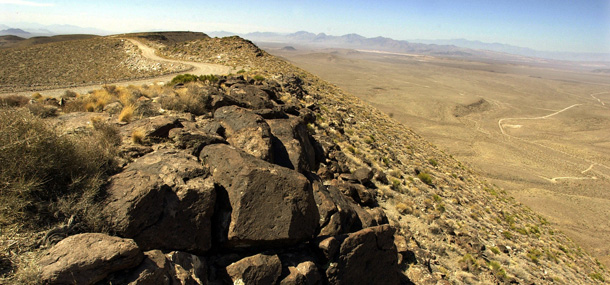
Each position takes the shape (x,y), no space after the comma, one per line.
(541,134)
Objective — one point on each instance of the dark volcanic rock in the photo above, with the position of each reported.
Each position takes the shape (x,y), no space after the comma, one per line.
(88,258)
(246,130)
(368,256)
(154,129)
(251,96)
(294,149)
(163,201)
(305,273)
(172,268)
(339,214)
(193,140)
(258,269)
(269,205)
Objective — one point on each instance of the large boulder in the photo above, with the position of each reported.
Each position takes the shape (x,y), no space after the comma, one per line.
(294,149)
(258,269)
(268,204)
(246,130)
(338,213)
(163,201)
(305,273)
(88,258)
(173,268)
(367,256)
(153,128)
(251,96)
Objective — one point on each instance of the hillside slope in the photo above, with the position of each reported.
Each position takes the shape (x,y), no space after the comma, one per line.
(75,63)
(275,176)
(460,228)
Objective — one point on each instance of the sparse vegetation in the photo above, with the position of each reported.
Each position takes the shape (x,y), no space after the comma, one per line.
(534,254)
(498,270)
(433,162)
(47,176)
(192,99)
(425,177)
(188,78)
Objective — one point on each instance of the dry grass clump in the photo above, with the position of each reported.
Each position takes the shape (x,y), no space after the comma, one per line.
(14,101)
(126,114)
(193,99)
(137,136)
(46,176)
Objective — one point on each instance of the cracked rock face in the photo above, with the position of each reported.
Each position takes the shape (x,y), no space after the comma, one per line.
(269,205)
(163,201)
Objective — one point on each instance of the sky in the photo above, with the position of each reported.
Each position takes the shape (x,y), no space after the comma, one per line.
(547,25)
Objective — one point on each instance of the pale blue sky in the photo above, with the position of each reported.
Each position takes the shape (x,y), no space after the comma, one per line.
(557,25)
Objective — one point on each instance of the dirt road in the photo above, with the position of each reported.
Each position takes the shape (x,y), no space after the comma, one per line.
(149,53)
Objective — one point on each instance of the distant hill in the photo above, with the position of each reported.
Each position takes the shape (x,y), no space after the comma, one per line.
(15,41)
(15,32)
(7,41)
(27,30)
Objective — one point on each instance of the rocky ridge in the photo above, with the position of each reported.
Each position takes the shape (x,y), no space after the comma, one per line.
(290,180)
(451,225)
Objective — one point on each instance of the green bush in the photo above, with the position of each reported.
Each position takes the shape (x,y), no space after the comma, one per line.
(425,177)
(258,77)
(184,78)
(46,176)
(187,78)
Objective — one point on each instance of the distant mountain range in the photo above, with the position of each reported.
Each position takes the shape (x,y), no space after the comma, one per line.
(455,47)
(28,30)
(520,50)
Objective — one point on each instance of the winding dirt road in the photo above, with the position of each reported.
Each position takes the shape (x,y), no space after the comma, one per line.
(554,179)
(198,68)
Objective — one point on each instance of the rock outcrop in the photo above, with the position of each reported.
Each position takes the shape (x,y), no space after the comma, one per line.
(88,258)
(230,193)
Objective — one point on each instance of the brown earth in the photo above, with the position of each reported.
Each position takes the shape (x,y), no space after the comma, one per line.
(505,120)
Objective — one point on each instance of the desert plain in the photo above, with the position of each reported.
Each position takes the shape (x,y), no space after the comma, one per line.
(539,130)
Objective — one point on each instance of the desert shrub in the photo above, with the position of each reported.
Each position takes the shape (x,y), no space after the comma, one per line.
(498,270)
(137,136)
(191,99)
(14,101)
(184,78)
(395,184)
(258,77)
(597,276)
(211,78)
(42,111)
(425,177)
(69,94)
(47,176)
(534,254)
(241,71)
(433,162)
